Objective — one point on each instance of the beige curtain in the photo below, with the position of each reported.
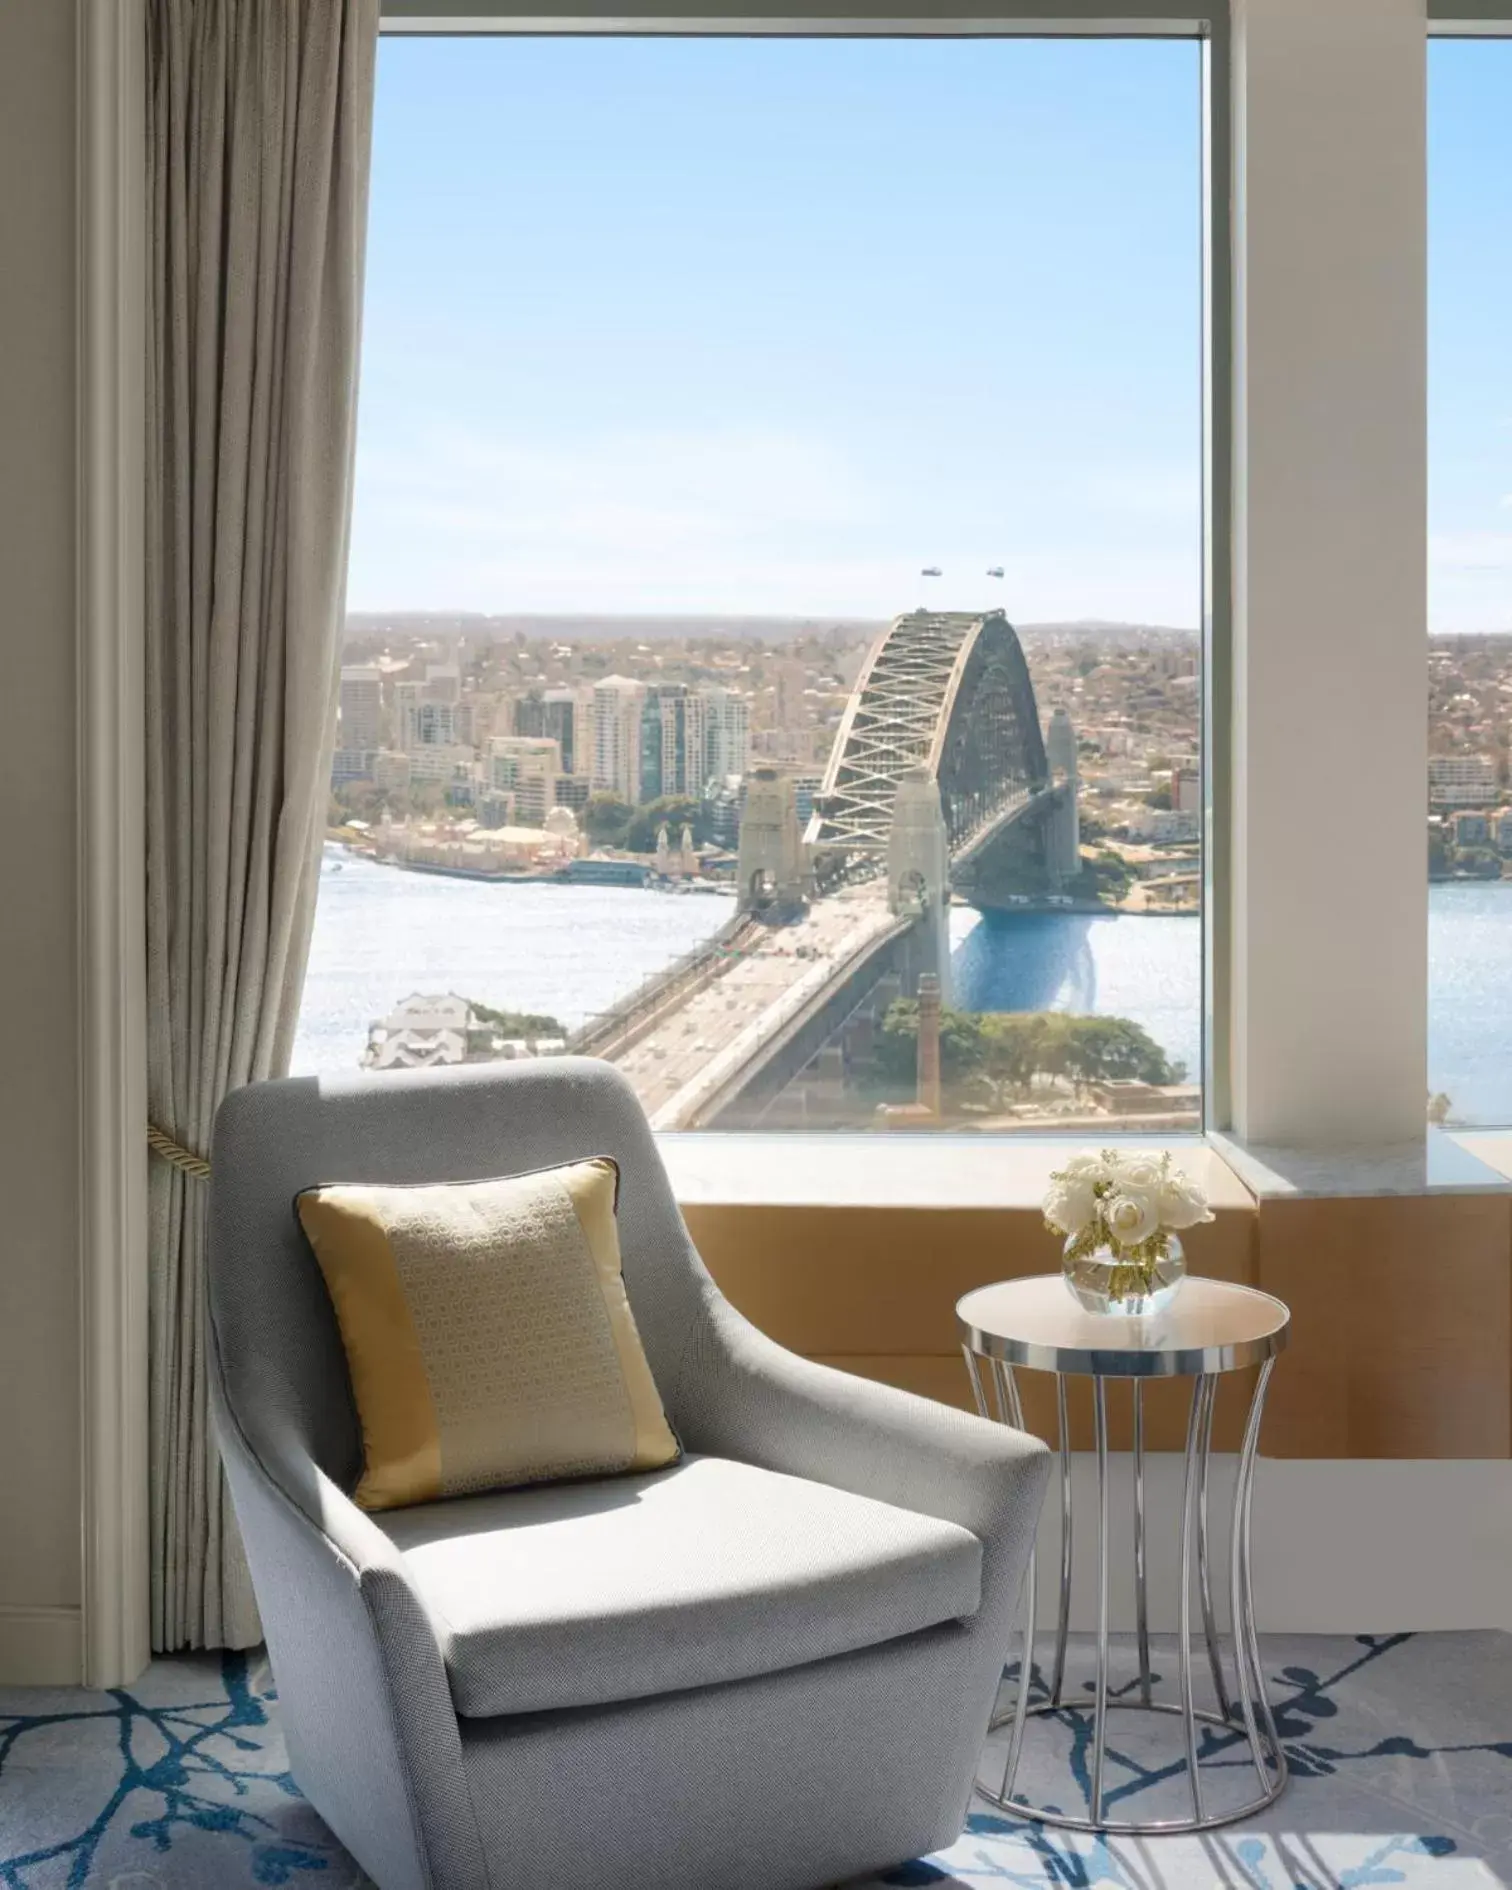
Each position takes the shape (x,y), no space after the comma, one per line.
(259,129)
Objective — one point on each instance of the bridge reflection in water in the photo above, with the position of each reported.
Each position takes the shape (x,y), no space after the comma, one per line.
(938,778)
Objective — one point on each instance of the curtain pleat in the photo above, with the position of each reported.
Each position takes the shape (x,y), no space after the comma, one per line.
(259,135)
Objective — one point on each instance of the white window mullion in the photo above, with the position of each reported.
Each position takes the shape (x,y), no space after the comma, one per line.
(1329,890)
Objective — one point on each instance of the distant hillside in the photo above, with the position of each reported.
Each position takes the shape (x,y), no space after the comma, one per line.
(650,629)
(605,629)
(1107,632)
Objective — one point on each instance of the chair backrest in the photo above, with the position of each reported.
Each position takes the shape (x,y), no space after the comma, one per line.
(278,1353)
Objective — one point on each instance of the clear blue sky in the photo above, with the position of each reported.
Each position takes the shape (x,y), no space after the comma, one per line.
(1470,334)
(765,326)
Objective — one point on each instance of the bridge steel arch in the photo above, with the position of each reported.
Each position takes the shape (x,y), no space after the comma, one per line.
(950,690)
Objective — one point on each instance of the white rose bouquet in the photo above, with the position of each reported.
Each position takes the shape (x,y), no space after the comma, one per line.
(1129,1204)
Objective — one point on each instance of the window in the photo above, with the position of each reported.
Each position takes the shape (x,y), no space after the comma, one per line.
(773,658)
(1470,596)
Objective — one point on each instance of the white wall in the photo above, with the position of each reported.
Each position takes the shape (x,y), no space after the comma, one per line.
(1330,555)
(39,1353)
(1339,1547)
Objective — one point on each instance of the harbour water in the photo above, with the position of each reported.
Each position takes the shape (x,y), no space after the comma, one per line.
(569,951)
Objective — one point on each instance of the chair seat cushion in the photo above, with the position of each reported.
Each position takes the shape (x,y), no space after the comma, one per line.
(579,1594)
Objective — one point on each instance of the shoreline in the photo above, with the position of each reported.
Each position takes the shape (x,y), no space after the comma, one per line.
(557,876)
(1033,908)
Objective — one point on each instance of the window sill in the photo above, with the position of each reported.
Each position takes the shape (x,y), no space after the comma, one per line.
(977,1172)
(1438,1164)
(902,1171)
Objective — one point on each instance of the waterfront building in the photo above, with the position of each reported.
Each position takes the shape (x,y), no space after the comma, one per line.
(1461,781)
(616,752)
(360,711)
(599,870)
(470,850)
(433,1032)
(526,767)
(1471,827)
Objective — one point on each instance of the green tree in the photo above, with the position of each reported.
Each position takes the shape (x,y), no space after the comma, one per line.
(1015,1045)
(519,1023)
(677,811)
(1101,1049)
(1005,1052)
(1106,876)
(606,819)
(962,1043)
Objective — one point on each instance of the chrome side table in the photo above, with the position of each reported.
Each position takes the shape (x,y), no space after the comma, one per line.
(1211,1327)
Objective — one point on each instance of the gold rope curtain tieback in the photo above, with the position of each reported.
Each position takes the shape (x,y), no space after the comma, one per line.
(176,1155)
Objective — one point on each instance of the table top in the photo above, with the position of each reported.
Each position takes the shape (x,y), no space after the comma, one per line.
(1210,1326)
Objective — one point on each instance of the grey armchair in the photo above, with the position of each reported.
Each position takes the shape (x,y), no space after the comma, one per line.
(770,1666)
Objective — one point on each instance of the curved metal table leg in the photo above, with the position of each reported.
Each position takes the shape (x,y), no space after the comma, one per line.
(1189,1482)
(1063,1619)
(1204,1572)
(1141,1586)
(1008,1399)
(1100,1709)
(1246,1637)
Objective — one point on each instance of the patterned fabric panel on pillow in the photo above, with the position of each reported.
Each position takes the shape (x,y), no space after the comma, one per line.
(487,1331)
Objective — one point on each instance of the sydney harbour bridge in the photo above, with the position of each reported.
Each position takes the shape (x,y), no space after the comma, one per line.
(940,784)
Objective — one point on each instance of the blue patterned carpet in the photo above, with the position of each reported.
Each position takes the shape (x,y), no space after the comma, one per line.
(1400,1747)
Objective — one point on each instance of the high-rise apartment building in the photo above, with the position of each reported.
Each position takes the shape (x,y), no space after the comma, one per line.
(562,715)
(616,749)
(674,756)
(727,734)
(360,729)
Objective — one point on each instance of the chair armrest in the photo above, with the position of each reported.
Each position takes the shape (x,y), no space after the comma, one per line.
(356,1663)
(745,1396)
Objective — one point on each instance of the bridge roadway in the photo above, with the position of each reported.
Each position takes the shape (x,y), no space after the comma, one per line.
(683,1064)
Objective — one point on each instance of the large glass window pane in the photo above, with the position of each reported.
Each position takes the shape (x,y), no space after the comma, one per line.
(773,657)
(1470,582)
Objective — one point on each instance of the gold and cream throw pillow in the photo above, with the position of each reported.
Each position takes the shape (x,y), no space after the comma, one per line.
(487,1332)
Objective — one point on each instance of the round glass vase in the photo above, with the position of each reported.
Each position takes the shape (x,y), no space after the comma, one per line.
(1132,1281)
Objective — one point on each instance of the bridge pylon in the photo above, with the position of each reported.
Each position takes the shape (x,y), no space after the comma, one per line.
(918,877)
(1063,829)
(772,863)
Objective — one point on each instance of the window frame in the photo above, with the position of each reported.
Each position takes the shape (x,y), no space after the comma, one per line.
(1208,25)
